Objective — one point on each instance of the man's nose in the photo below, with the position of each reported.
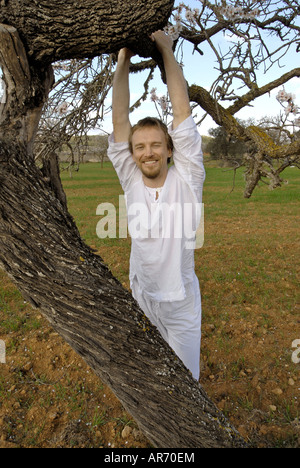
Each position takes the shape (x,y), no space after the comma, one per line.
(149,151)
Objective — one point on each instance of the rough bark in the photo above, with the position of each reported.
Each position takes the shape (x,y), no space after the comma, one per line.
(42,251)
(62,29)
(220,115)
(26,89)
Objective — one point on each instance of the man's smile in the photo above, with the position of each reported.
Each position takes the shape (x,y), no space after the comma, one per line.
(151,153)
(151,162)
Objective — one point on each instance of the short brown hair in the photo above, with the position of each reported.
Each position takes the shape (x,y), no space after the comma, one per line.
(151,122)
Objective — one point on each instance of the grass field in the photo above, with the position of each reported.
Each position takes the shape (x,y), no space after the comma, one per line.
(249,275)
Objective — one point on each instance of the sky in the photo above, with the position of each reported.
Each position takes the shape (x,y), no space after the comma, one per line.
(200,70)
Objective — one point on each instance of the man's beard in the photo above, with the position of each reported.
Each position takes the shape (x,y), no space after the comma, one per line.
(150,172)
(151,175)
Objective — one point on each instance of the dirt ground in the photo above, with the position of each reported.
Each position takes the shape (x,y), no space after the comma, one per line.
(50,398)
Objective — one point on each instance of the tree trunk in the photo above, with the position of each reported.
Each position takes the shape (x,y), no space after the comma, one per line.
(42,251)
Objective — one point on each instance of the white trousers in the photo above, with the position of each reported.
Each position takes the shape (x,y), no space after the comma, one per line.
(178,322)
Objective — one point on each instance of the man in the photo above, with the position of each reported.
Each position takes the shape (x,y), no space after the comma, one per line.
(162,275)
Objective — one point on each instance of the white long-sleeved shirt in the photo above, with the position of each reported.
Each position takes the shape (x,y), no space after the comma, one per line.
(162,258)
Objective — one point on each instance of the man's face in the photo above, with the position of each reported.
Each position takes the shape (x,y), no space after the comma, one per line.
(151,153)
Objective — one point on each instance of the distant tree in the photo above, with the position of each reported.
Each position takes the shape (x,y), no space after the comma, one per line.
(225,147)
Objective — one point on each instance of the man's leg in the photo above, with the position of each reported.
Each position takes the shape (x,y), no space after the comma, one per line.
(179,323)
(150,308)
(182,319)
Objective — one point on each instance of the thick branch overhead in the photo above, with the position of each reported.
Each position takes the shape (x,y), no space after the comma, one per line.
(60,29)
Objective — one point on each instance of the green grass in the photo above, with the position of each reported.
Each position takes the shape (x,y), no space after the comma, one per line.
(248,270)
(92,185)
(13,310)
(249,243)
(220,198)
(89,187)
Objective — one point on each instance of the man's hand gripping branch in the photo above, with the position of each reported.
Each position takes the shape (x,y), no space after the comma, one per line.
(176,84)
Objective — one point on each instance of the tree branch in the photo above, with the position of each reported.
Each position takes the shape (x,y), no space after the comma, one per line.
(220,115)
(61,31)
(243,101)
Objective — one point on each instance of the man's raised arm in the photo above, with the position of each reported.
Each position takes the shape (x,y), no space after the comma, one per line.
(176,83)
(121,97)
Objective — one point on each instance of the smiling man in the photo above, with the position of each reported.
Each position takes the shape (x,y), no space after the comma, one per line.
(162,274)
(151,148)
